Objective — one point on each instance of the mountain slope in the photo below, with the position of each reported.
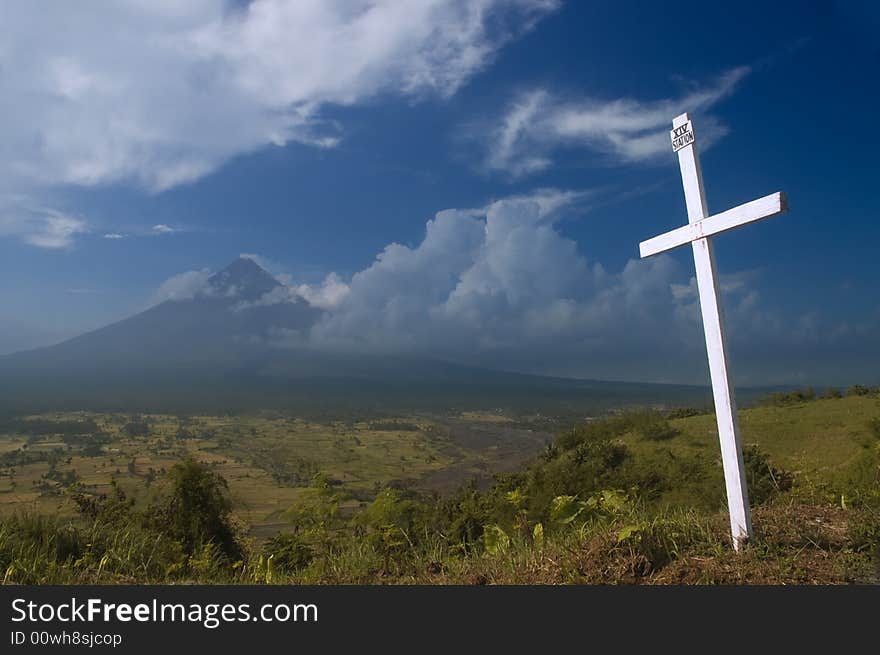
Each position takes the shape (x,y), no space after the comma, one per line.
(222,350)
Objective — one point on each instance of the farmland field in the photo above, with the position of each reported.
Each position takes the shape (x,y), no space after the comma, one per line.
(634,496)
(269,461)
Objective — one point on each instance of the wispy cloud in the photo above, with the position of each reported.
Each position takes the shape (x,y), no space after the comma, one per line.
(539,122)
(161,228)
(38,226)
(161,94)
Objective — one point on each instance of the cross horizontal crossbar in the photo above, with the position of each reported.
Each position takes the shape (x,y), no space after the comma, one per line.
(756,210)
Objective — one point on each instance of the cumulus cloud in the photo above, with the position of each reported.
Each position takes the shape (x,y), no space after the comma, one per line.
(327,295)
(625,130)
(114,236)
(162,93)
(501,286)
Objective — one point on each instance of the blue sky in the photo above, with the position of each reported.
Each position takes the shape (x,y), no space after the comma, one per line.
(145,145)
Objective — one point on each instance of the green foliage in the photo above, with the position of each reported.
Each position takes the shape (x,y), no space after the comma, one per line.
(42,426)
(495,540)
(764,480)
(538,535)
(565,509)
(463,517)
(658,430)
(864,532)
(37,549)
(861,481)
(392,520)
(685,412)
(198,511)
(783,398)
(114,509)
(636,497)
(289,552)
(137,428)
(859,390)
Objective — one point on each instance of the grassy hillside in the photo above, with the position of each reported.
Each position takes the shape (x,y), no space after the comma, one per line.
(822,443)
(634,497)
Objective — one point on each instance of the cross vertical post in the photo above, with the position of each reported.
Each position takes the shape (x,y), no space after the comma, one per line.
(697,232)
(716,346)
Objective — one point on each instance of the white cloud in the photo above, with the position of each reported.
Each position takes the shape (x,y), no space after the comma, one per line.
(163,93)
(161,228)
(327,295)
(624,130)
(38,226)
(501,286)
(114,236)
(183,286)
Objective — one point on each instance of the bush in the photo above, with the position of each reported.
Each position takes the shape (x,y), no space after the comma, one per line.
(685,412)
(289,551)
(764,479)
(659,430)
(792,397)
(198,511)
(858,390)
(136,428)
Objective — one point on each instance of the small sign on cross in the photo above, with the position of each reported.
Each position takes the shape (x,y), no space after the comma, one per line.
(682,136)
(697,232)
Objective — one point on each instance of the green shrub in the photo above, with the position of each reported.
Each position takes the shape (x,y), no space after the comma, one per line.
(765,480)
(659,430)
(858,390)
(289,551)
(792,397)
(685,412)
(197,511)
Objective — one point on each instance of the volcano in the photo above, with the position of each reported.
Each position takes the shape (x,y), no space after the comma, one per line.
(237,344)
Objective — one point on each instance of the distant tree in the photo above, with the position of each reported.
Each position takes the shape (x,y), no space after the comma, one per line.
(793,397)
(136,428)
(858,390)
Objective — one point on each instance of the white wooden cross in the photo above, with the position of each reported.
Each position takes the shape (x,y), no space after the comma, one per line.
(700,227)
